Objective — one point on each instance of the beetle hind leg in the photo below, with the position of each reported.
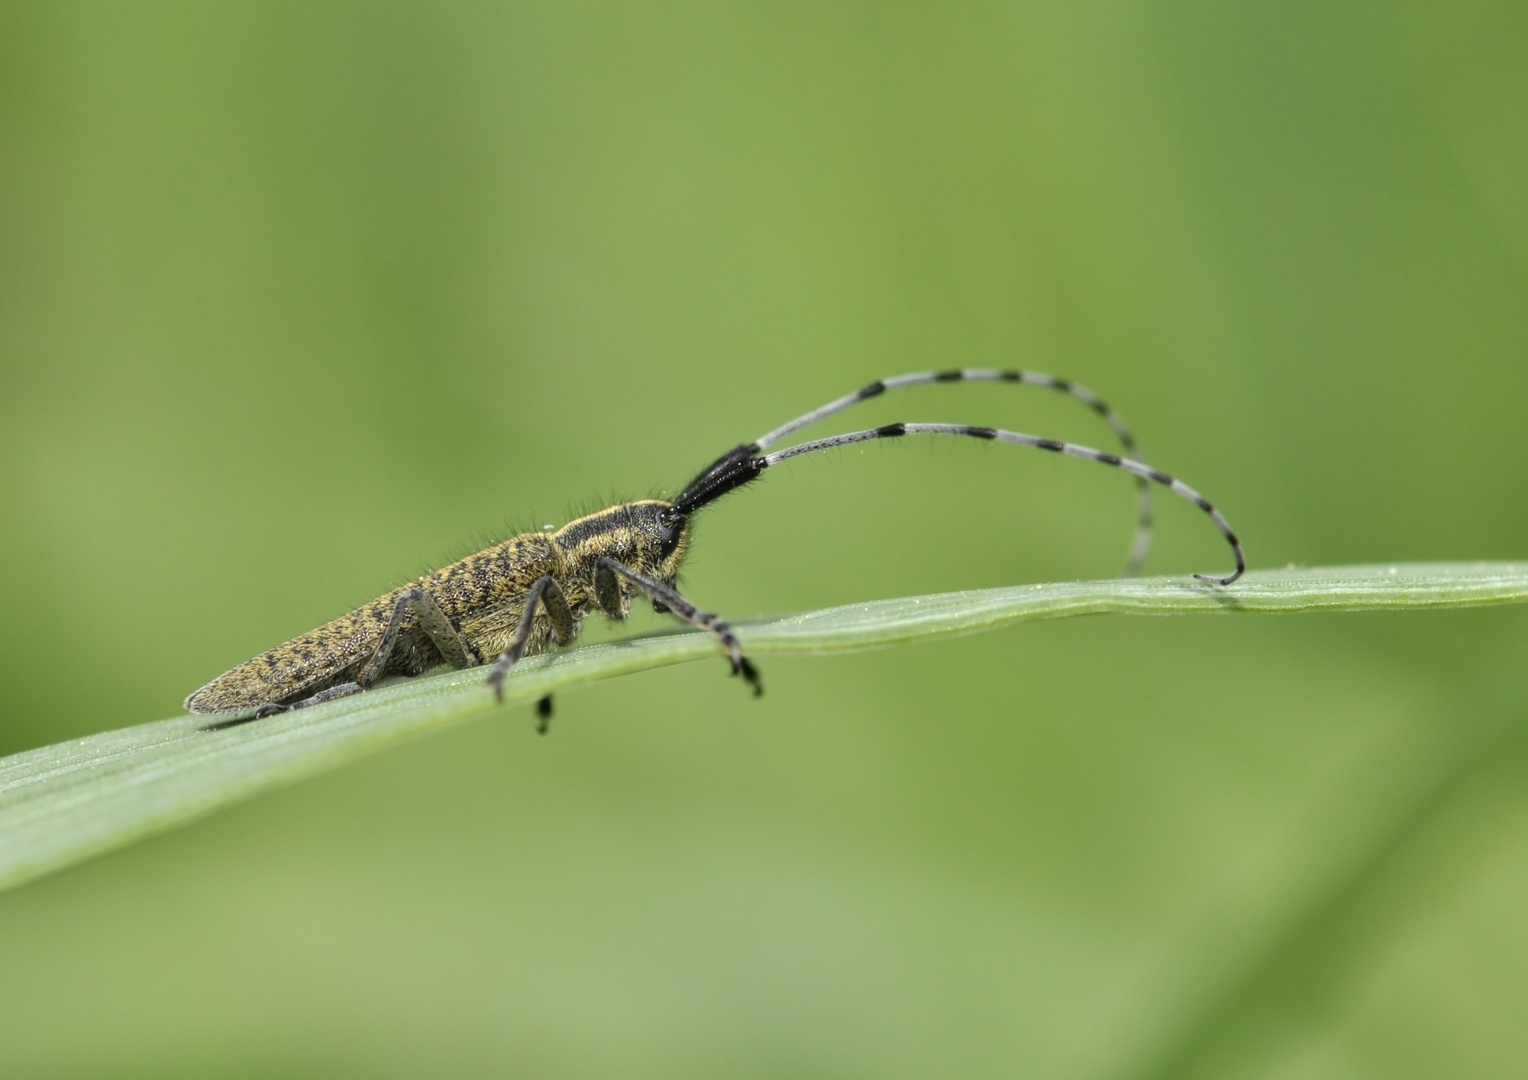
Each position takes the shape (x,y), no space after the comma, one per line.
(453,648)
(275,708)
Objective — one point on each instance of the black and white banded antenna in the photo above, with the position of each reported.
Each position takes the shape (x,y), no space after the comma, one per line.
(744,463)
(1142,542)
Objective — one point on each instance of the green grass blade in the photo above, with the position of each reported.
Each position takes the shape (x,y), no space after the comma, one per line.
(61,804)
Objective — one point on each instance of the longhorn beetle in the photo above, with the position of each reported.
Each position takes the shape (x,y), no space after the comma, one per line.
(515,598)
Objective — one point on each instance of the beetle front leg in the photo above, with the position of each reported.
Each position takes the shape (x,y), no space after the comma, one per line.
(607,595)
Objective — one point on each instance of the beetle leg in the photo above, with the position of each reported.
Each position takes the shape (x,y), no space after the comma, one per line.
(344,689)
(429,618)
(274,708)
(543,594)
(605,573)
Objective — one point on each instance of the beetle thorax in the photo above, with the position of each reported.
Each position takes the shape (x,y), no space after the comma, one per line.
(634,534)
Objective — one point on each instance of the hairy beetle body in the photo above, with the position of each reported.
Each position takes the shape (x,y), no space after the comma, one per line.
(517,597)
(483,595)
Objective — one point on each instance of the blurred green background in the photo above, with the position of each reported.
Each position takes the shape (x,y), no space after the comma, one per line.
(299,300)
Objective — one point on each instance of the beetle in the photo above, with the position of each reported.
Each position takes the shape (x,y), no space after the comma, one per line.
(519,596)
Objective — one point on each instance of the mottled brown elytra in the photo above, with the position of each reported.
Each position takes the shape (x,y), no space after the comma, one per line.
(517,597)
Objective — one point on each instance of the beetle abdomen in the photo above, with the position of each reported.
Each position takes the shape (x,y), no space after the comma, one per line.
(316,660)
(486,589)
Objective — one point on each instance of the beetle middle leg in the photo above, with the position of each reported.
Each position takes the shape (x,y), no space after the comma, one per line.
(544,593)
(607,593)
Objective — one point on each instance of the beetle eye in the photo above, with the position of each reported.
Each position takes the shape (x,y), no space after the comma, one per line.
(668,529)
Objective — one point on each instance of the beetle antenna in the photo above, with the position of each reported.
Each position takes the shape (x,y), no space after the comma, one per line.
(1139,469)
(1077,391)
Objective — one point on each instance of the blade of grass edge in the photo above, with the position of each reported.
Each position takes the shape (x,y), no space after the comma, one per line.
(64,803)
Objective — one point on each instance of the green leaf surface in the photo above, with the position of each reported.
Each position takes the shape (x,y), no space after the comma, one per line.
(64,803)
